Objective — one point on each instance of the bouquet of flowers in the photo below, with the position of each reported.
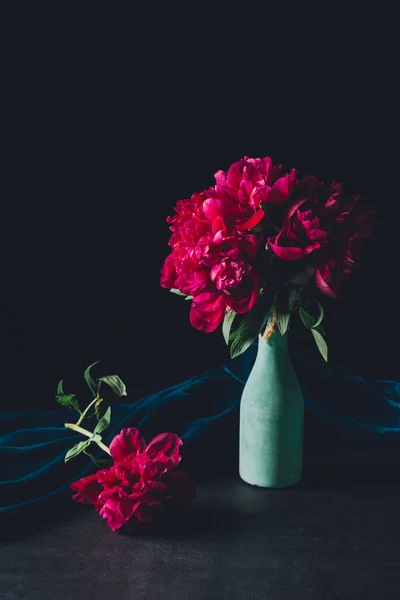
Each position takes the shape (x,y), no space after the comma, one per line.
(261,245)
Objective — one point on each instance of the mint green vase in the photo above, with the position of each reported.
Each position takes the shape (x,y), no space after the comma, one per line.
(271,419)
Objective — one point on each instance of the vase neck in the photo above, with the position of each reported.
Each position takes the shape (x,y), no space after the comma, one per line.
(276,345)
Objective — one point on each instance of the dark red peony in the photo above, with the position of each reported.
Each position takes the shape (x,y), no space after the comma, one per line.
(140,484)
(330,224)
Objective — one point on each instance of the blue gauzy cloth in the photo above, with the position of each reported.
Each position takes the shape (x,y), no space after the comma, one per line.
(204,412)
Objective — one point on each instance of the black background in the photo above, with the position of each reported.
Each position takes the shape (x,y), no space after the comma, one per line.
(112,112)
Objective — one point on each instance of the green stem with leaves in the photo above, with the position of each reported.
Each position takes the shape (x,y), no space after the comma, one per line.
(79,421)
(89,434)
(70,401)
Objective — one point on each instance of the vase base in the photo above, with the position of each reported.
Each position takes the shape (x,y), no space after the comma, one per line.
(271,486)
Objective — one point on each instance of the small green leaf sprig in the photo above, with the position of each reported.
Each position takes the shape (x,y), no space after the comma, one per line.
(70,401)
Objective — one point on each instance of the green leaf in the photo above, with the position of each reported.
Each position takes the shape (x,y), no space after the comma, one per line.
(60,390)
(246,333)
(321,344)
(178,292)
(189,298)
(242,337)
(101,463)
(77,449)
(294,297)
(320,317)
(253,321)
(89,379)
(310,321)
(68,400)
(227,324)
(303,276)
(283,322)
(104,421)
(250,327)
(115,383)
(240,345)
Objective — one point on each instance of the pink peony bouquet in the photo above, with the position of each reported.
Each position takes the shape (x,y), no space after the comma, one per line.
(260,245)
(138,484)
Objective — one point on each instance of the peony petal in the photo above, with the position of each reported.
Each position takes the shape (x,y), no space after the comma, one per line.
(110,512)
(292,209)
(246,303)
(168,272)
(143,513)
(252,222)
(323,286)
(220,176)
(290,252)
(181,489)
(113,520)
(156,488)
(127,442)
(266,165)
(88,490)
(282,188)
(234,174)
(168,443)
(126,508)
(221,207)
(218,225)
(198,322)
(149,471)
(207,301)
(207,311)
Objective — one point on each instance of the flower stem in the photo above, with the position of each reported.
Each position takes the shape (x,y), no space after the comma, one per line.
(271,328)
(88,434)
(79,421)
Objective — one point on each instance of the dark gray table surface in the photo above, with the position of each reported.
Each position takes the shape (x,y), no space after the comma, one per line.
(335,534)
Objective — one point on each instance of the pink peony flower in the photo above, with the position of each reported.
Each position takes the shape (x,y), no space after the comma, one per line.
(335,226)
(245,193)
(216,271)
(141,482)
(300,235)
(342,251)
(190,222)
